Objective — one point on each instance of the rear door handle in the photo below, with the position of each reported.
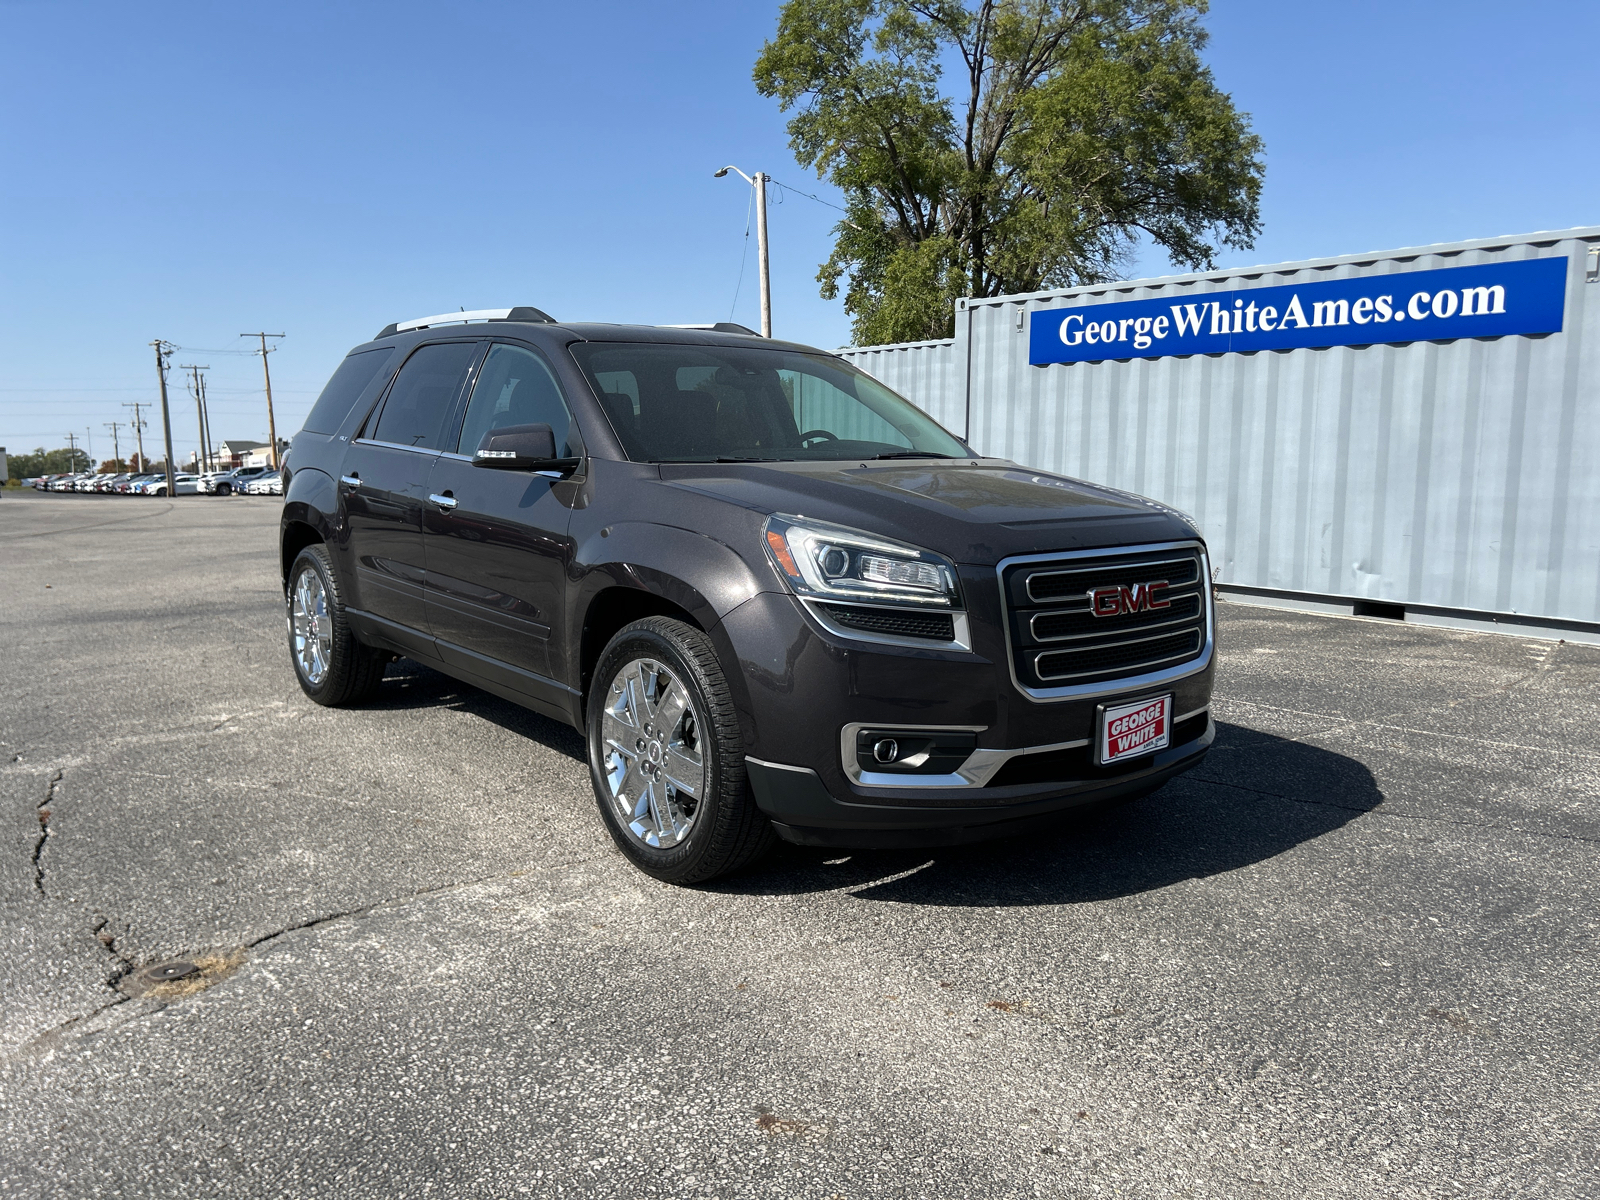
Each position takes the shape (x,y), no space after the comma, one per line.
(350,481)
(444,502)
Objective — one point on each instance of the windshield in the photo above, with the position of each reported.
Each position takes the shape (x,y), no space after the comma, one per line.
(673,403)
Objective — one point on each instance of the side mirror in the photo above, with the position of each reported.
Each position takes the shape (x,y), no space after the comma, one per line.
(522,448)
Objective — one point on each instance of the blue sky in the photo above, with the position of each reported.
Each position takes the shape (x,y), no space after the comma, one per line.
(192,171)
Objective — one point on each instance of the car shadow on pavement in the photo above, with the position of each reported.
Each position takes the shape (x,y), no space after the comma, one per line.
(408,684)
(1254,797)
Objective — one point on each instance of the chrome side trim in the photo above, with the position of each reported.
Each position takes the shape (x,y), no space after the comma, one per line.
(963,632)
(428,450)
(1129,683)
(776,766)
(979,768)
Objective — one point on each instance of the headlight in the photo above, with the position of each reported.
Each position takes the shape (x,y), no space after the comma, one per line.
(832,562)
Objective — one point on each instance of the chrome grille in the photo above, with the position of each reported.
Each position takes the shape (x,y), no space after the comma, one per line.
(1057,641)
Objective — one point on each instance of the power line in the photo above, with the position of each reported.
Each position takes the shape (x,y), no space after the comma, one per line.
(744,254)
(785,187)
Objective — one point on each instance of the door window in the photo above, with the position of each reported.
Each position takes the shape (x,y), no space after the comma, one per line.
(424,395)
(515,387)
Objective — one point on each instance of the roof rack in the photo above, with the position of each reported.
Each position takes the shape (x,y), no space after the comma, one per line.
(521,313)
(719,327)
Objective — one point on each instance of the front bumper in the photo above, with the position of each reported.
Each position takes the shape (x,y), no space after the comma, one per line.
(803,688)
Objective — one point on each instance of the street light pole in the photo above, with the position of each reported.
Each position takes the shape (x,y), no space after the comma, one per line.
(759,182)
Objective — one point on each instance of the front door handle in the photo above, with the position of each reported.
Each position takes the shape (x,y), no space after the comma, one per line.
(444,502)
(350,481)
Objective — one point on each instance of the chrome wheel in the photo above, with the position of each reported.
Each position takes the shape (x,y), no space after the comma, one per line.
(310,626)
(651,754)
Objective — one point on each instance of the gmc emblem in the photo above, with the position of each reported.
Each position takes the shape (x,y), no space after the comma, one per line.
(1122,598)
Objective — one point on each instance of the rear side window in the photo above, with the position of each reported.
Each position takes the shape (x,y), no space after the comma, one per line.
(352,378)
(424,395)
(515,387)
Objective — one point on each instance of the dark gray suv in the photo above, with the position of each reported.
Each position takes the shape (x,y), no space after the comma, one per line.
(779,600)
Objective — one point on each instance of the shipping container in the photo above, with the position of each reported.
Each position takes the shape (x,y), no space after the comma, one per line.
(1454,479)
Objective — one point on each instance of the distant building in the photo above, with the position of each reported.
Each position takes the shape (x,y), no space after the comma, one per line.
(240,453)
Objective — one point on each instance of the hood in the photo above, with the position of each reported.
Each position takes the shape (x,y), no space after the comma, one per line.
(975,511)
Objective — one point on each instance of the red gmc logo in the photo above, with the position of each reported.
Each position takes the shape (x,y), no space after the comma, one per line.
(1122,598)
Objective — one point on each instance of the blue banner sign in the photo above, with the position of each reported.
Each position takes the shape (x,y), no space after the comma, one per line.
(1490,300)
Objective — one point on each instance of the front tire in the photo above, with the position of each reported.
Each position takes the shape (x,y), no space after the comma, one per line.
(224,489)
(332,666)
(666,755)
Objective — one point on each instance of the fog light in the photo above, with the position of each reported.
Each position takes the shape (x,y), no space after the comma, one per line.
(913,751)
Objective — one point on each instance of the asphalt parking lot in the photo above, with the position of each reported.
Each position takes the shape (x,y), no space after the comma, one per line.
(1354,955)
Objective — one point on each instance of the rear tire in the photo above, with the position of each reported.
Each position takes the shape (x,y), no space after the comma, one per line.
(333,667)
(666,755)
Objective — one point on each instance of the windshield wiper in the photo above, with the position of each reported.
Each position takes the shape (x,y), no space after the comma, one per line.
(729,458)
(912,454)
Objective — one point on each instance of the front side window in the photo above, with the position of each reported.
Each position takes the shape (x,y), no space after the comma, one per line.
(515,387)
(682,403)
(424,394)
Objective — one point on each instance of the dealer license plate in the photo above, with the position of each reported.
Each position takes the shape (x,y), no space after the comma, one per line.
(1129,730)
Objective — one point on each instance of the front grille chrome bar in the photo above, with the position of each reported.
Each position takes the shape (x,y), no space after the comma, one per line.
(1162,671)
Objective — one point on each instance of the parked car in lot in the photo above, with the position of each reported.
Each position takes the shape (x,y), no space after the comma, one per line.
(266,485)
(228,482)
(183,485)
(777,599)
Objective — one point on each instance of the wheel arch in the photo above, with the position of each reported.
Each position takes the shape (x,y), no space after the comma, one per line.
(307,503)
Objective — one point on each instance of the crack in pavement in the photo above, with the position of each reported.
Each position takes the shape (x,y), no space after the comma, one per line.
(125,966)
(364,909)
(42,809)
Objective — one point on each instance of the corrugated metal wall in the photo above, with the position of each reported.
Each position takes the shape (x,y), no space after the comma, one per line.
(1461,474)
(922,372)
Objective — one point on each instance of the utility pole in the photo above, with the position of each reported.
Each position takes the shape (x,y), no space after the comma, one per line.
(759,182)
(200,458)
(272,426)
(116,444)
(72,452)
(164,351)
(138,424)
(205,422)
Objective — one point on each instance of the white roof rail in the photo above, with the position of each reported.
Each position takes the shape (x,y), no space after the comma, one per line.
(455,318)
(462,316)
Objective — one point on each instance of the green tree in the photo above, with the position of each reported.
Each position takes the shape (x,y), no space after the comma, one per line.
(1078,127)
(46,462)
